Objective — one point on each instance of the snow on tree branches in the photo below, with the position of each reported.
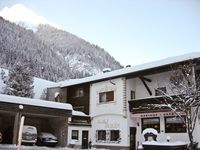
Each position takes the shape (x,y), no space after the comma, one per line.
(185,97)
(20,81)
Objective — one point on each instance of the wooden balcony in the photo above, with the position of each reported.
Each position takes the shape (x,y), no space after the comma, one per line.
(150,104)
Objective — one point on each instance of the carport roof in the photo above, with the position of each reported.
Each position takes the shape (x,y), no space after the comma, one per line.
(34,102)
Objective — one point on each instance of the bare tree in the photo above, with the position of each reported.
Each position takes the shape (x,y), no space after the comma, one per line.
(184,97)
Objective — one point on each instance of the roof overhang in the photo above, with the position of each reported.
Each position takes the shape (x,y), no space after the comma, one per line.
(27,106)
(131,71)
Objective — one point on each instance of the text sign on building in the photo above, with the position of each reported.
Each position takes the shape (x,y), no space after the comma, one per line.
(107,124)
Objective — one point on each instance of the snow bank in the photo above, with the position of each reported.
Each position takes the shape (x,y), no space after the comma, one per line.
(14,147)
(177,143)
(150,130)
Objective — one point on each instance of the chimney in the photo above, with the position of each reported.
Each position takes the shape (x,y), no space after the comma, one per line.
(127,66)
(106,70)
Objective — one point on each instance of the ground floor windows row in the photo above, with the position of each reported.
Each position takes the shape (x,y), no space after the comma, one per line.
(172,124)
(108,136)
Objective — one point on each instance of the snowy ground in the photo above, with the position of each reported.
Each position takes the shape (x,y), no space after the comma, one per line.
(14,147)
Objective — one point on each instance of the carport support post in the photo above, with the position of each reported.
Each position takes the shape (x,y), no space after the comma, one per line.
(20,132)
(16,124)
(16,127)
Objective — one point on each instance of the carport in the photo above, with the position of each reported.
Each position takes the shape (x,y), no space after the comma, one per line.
(46,116)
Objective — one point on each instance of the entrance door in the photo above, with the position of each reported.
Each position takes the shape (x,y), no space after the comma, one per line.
(84,139)
(132,138)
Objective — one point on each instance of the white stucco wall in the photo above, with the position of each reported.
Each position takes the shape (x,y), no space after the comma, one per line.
(158,80)
(78,142)
(110,122)
(109,115)
(113,107)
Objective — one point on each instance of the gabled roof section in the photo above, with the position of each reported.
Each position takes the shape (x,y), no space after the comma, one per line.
(79,113)
(133,69)
(34,102)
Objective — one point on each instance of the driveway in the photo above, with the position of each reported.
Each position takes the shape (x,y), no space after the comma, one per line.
(14,147)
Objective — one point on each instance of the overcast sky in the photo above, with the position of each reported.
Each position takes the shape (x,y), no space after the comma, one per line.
(133,31)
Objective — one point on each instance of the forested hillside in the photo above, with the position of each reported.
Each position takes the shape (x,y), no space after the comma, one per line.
(53,54)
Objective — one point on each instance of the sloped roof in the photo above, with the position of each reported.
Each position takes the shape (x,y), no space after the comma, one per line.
(34,102)
(79,113)
(133,69)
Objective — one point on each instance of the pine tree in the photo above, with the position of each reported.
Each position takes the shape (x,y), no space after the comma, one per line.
(20,81)
(3,76)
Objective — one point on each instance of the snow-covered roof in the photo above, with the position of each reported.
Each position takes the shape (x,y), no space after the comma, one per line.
(56,94)
(34,102)
(128,70)
(78,113)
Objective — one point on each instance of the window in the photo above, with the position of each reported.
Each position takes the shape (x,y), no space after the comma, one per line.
(114,135)
(132,94)
(74,134)
(174,125)
(101,135)
(79,92)
(108,136)
(151,123)
(160,91)
(106,96)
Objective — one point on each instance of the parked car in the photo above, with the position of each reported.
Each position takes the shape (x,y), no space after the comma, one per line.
(29,135)
(47,139)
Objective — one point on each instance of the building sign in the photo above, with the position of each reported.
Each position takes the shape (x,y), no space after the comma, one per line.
(107,124)
(148,115)
(151,115)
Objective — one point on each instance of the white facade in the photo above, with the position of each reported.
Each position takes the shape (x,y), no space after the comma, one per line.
(78,141)
(115,115)
(157,80)
(109,116)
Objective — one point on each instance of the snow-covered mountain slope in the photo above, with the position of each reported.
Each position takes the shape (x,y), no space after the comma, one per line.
(39,85)
(25,17)
(55,54)
(80,54)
